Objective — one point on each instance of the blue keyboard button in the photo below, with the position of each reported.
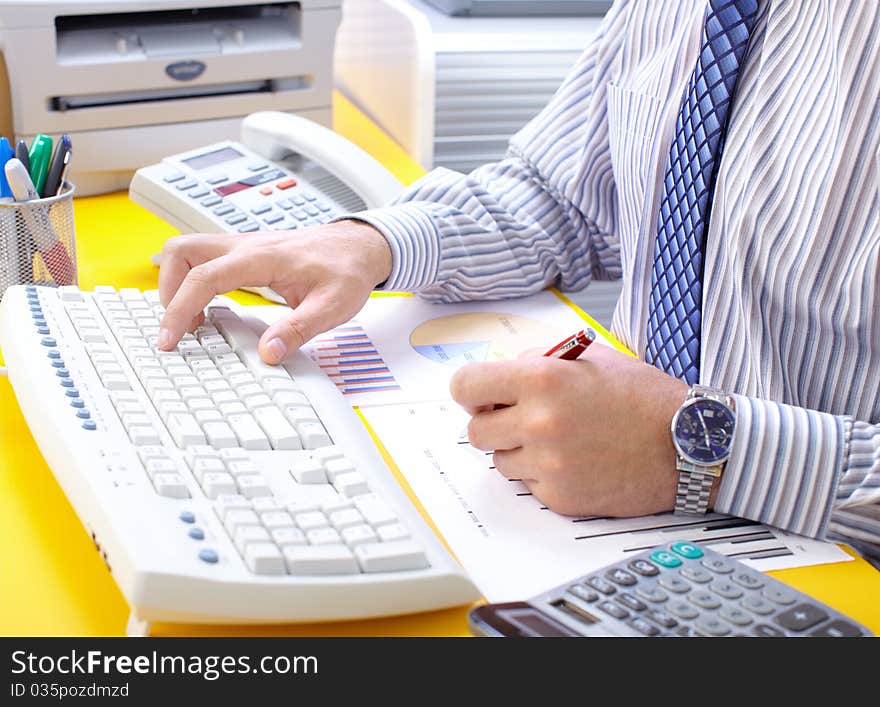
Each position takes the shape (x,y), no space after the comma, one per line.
(77,403)
(187,516)
(688,550)
(48,341)
(72,392)
(30,288)
(665,559)
(209,556)
(83,414)
(43,330)
(196,533)
(57,363)
(39,321)
(36,307)
(62,373)
(66,382)
(54,354)
(89,425)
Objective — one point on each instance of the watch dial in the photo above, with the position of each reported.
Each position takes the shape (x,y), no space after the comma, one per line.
(704,430)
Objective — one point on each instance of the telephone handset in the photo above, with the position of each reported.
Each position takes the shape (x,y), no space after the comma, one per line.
(286,173)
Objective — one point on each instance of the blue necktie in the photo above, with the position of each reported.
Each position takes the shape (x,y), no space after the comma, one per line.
(676,280)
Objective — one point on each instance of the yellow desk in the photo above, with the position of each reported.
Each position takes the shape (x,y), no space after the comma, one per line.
(53,582)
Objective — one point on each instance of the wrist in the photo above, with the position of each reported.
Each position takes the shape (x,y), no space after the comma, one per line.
(378,256)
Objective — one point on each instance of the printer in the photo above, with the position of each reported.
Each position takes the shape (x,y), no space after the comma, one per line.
(132,81)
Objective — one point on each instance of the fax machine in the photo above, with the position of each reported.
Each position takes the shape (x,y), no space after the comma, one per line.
(134,80)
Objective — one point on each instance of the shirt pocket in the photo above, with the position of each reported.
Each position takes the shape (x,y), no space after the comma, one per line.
(633,123)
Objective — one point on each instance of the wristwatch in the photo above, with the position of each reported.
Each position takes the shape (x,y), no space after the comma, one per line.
(702,432)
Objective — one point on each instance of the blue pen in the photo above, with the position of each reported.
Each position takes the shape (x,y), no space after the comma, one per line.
(6,154)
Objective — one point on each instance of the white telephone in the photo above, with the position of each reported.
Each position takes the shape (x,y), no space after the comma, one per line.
(286,173)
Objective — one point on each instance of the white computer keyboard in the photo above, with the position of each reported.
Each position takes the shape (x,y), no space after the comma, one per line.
(218,488)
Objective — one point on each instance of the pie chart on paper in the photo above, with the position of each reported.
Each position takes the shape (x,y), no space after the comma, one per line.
(480,336)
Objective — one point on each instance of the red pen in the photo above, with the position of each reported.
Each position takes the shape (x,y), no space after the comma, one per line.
(572,347)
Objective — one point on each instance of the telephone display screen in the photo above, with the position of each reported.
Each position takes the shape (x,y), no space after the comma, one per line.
(211,159)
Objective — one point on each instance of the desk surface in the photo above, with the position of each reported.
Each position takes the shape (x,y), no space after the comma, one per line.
(52,582)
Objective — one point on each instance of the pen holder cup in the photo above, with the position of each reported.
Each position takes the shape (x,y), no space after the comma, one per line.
(37,244)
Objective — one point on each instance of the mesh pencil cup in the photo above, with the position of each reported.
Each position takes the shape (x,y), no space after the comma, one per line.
(37,243)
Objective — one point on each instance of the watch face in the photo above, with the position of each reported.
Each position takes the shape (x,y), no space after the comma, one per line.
(703,431)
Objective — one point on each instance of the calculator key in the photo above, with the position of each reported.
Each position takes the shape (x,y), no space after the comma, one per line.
(631,602)
(735,616)
(665,559)
(758,605)
(704,599)
(725,589)
(747,580)
(644,568)
(688,550)
(675,584)
(718,565)
(582,593)
(696,574)
(621,577)
(601,585)
(778,595)
(643,627)
(661,618)
(711,626)
(609,607)
(211,201)
(801,617)
(652,594)
(766,631)
(837,629)
(683,610)
(686,632)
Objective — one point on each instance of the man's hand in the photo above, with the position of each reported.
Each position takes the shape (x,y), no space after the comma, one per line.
(587,437)
(325,273)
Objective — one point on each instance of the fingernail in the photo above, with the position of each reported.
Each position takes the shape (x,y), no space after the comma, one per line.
(164,340)
(277,349)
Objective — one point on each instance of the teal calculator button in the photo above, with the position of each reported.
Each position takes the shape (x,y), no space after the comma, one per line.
(688,550)
(666,559)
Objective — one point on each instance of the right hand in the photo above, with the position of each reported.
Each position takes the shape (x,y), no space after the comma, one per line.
(325,274)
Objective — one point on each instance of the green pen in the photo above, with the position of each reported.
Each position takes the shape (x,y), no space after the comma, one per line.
(40,154)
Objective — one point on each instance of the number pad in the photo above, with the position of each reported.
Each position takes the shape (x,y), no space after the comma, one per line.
(684,589)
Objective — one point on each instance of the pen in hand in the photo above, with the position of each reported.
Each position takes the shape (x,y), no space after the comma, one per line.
(573,346)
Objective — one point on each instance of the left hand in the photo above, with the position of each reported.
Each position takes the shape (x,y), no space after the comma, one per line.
(587,437)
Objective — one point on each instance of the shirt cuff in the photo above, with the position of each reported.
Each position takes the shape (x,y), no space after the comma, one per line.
(784,466)
(414,242)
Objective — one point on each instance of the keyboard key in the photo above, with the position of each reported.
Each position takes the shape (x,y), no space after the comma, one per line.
(236,518)
(218,433)
(216,483)
(320,559)
(358,535)
(276,519)
(391,557)
(725,589)
(253,485)
(392,532)
(351,484)
(171,485)
(264,558)
(247,534)
(345,518)
(288,536)
(374,510)
(311,520)
(143,435)
(308,471)
(279,431)
(184,429)
(313,435)
(323,536)
(249,433)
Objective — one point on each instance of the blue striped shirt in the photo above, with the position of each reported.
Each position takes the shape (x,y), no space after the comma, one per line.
(791,301)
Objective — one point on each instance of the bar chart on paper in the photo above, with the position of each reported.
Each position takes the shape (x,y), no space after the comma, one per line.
(351,361)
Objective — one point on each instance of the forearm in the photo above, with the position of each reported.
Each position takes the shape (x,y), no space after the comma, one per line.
(804,471)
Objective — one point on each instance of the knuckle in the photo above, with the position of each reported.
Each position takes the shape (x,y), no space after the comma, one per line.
(204,274)
(294,331)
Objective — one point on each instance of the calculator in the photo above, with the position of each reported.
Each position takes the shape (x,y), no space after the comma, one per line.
(681,589)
